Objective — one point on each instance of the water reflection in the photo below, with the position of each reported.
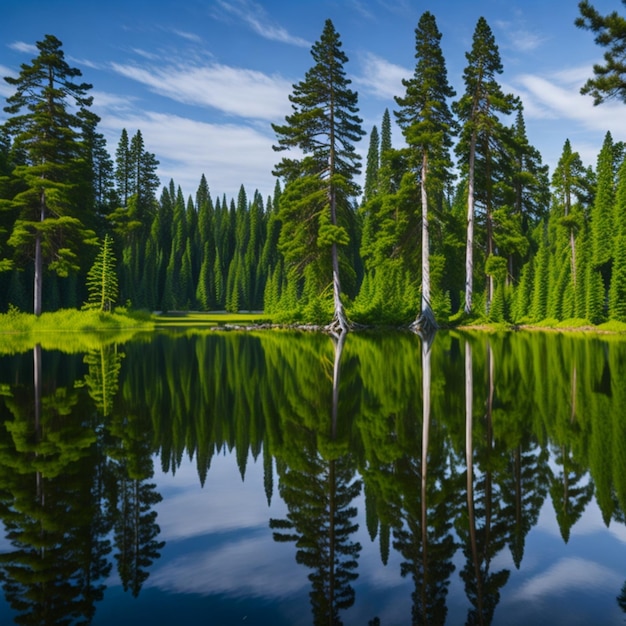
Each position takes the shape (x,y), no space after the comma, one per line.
(441,464)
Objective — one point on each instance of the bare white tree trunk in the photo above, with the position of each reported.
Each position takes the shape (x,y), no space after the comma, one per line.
(426,319)
(38,284)
(469,250)
(339,324)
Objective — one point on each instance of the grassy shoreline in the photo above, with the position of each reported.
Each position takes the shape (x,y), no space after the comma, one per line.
(86,321)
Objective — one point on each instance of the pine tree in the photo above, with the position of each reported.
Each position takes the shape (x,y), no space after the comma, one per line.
(324,125)
(610,31)
(123,170)
(479,111)
(370,186)
(570,183)
(385,134)
(617,289)
(602,227)
(102,278)
(47,125)
(428,127)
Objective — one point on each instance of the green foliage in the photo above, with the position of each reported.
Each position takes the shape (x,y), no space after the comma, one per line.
(102,279)
(315,208)
(610,31)
(288,254)
(54,198)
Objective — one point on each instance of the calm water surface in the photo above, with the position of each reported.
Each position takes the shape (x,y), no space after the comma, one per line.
(281,478)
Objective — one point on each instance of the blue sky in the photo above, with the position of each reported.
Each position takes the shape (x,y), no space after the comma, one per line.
(204,79)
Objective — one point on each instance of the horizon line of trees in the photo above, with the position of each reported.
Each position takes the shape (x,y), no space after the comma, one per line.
(502,240)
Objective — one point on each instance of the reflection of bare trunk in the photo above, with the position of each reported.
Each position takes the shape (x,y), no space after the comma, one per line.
(469,461)
(37,382)
(426,380)
(331,539)
(338,343)
(489,436)
(37,385)
(573,397)
(38,391)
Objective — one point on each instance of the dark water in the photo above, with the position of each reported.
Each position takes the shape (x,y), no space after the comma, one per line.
(278,478)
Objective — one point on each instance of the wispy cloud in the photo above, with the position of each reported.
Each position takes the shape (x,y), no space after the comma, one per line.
(20,46)
(188,36)
(255,16)
(229,155)
(5,89)
(252,566)
(381,78)
(557,97)
(106,101)
(235,91)
(518,38)
(568,575)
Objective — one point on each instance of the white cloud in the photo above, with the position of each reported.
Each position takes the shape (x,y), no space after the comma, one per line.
(229,155)
(381,78)
(256,18)
(106,101)
(568,575)
(188,36)
(5,89)
(518,38)
(557,97)
(20,46)
(249,567)
(235,91)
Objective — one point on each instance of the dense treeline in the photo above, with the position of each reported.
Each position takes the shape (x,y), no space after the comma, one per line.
(490,233)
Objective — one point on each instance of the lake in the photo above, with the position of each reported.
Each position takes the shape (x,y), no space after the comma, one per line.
(282,478)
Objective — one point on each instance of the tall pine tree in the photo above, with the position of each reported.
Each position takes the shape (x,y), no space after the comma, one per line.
(47,125)
(324,126)
(428,127)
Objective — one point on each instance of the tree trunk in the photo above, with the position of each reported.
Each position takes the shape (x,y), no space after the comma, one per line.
(469,250)
(38,283)
(426,319)
(339,324)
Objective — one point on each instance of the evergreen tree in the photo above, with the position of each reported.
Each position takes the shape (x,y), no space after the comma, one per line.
(315,205)
(47,127)
(602,226)
(373,164)
(479,110)
(102,279)
(123,170)
(570,183)
(617,290)
(385,134)
(144,181)
(610,31)
(428,126)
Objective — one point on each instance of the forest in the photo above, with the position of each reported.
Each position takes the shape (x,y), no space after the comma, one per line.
(457,219)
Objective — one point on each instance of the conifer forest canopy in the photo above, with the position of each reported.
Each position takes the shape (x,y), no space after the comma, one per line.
(457,218)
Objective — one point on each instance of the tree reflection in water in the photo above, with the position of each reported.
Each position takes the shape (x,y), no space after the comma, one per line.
(453,471)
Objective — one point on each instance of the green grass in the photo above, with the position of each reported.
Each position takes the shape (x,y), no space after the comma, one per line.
(213,318)
(69,330)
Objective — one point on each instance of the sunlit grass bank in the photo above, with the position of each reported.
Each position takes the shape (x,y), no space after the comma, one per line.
(212,318)
(69,330)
